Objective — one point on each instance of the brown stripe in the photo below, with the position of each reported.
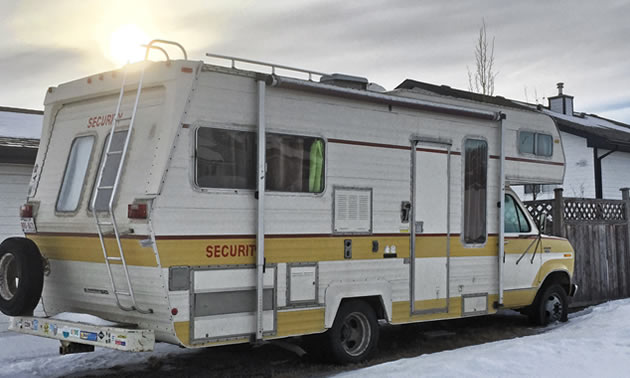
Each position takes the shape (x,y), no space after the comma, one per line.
(534,161)
(368,144)
(85,235)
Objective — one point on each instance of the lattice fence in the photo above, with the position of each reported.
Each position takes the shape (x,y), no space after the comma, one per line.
(536,208)
(579,209)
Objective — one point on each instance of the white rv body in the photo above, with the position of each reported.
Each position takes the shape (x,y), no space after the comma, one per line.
(192,261)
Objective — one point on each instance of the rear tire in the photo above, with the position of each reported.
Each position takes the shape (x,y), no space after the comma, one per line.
(21,276)
(550,306)
(354,334)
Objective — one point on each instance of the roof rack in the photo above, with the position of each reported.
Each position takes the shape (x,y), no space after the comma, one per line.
(273,67)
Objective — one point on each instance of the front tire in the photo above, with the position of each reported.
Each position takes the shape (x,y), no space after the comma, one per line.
(551,306)
(354,334)
(21,276)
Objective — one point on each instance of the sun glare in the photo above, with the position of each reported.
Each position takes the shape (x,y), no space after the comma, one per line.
(124,44)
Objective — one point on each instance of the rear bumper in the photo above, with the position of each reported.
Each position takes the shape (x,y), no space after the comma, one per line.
(120,338)
(573,290)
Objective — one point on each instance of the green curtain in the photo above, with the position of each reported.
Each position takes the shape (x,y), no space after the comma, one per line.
(315,178)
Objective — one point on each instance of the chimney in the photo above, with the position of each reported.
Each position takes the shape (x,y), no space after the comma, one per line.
(561,103)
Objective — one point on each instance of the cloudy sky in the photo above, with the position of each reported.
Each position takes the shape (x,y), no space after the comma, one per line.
(585,44)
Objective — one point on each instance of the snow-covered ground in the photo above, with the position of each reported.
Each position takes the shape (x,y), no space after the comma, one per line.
(595,342)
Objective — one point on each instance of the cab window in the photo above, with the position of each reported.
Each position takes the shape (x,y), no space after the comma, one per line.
(515,220)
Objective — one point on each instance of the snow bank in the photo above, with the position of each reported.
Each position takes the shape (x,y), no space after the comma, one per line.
(595,342)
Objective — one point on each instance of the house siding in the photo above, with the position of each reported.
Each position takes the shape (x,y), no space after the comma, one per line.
(579,176)
(615,173)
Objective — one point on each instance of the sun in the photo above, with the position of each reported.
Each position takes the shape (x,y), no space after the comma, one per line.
(124,44)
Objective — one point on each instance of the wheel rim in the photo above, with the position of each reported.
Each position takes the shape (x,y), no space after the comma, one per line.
(553,308)
(355,334)
(9,279)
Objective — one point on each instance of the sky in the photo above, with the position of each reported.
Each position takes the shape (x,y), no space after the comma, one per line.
(584,44)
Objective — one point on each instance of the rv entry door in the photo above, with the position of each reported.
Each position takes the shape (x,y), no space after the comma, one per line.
(430,225)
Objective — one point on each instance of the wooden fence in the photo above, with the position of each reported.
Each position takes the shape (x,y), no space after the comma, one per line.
(599,230)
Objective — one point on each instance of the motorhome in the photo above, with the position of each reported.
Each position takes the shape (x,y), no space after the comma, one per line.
(208,204)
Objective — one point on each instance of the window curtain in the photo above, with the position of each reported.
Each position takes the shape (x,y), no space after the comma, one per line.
(475,185)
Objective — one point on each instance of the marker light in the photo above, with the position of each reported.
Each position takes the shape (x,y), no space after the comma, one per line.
(26,211)
(137,211)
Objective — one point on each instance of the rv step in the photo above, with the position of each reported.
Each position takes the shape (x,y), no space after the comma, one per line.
(105,187)
(114,258)
(120,292)
(125,337)
(114,152)
(105,224)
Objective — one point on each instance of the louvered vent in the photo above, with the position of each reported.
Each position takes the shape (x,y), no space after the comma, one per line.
(353,210)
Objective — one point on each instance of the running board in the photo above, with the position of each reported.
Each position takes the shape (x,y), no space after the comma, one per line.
(114,337)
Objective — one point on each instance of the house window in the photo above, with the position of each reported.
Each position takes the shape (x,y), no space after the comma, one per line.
(515,220)
(109,172)
(74,175)
(538,188)
(475,187)
(535,143)
(226,159)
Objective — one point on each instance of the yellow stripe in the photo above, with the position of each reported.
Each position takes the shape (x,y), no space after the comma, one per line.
(193,252)
(88,249)
(300,322)
(519,298)
(290,323)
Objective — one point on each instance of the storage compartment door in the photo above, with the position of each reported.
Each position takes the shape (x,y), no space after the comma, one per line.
(224,303)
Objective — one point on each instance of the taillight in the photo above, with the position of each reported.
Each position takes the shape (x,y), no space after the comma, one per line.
(137,211)
(26,211)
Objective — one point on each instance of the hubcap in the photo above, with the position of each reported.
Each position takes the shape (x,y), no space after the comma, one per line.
(9,279)
(553,308)
(355,334)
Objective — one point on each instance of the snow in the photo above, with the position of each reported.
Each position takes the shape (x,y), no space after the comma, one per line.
(595,342)
(20,125)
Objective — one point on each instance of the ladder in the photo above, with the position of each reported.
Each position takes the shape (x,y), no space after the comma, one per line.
(107,217)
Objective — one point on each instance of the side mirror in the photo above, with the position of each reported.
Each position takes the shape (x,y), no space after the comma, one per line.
(542,222)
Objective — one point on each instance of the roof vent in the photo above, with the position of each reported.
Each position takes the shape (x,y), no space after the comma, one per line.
(560,88)
(346,81)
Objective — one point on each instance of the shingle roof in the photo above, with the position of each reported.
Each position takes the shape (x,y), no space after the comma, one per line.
(598,131)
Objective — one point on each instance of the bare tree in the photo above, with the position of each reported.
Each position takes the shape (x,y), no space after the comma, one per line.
(482,79)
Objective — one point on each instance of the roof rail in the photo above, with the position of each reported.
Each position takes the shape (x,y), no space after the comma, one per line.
(273,66)
(151,44)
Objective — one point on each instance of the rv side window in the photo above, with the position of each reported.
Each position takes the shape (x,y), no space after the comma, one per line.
(515,220)
(295,164)
(226,159)
(544,145)
(535,143)
(109,173)
(475,184)
(74,175)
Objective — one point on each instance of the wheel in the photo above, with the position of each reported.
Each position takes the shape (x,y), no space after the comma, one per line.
(354,334)
(551,306)
(21,276)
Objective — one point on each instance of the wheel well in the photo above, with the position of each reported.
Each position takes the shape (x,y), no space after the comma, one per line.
(375,301)
(558,277)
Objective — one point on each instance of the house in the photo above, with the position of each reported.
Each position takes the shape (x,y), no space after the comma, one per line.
(597,150)
(20,130)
